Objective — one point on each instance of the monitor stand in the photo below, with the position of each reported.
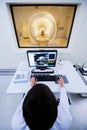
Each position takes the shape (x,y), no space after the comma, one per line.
(42,70)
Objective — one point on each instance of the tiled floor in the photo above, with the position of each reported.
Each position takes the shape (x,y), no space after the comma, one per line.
(9,102)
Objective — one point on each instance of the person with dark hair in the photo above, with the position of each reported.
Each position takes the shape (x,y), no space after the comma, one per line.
(39,109)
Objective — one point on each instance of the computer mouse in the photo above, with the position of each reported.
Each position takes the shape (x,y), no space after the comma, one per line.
(57,78)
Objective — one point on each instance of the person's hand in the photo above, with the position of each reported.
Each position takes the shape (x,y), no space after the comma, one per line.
(60,82)
(33,81)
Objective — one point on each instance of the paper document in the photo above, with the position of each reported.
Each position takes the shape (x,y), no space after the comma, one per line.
(21,76)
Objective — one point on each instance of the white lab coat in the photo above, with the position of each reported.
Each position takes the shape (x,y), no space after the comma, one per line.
(62,122)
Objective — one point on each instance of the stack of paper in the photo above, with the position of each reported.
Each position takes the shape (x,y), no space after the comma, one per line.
(21,76)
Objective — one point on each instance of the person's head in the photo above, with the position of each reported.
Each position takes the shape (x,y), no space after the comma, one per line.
(40,108)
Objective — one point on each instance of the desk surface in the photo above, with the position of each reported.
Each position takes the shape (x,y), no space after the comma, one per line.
(75,85)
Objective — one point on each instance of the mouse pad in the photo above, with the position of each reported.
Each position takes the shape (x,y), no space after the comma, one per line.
(64,78)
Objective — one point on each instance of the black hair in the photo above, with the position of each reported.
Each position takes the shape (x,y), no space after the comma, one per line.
(40,108)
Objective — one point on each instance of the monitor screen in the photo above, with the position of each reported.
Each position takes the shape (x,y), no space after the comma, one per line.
(42,58)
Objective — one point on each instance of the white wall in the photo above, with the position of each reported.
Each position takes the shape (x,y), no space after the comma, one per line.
(11,56)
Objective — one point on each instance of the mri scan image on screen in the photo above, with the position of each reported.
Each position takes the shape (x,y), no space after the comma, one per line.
(41,58)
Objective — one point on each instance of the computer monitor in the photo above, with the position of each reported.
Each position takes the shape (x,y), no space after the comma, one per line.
(42,59)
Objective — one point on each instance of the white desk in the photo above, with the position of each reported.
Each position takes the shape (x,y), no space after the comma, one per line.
(75,85)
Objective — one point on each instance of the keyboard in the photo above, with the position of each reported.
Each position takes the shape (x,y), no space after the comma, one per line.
(47,77)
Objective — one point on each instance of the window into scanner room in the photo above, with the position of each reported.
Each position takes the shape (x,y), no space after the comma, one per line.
(43,25)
